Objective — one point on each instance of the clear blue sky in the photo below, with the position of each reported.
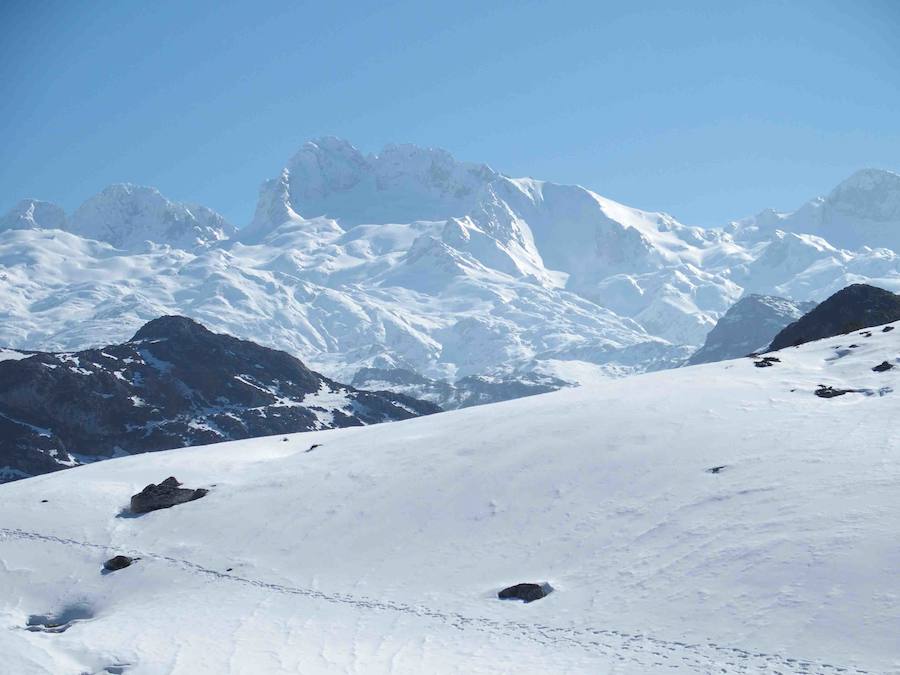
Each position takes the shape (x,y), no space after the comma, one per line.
(708,112)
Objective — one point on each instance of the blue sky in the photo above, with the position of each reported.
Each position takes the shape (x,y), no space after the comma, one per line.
(709,111)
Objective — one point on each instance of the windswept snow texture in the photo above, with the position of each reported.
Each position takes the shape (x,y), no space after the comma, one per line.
(412,260)
(383,550)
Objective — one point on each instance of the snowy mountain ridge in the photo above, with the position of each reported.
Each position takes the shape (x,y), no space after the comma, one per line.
(127,217)
(409,259)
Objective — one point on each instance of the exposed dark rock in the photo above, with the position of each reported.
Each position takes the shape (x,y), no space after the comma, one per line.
(313,447)
(119,562)
(174,384)
(767,361)
(883,367)
(830,392)
(526,592)
(851,309)
(717,469)
(748,326)
(167,494)
(887,329)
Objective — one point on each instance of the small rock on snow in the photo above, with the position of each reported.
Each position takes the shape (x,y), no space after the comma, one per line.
(118,562)
(526,592)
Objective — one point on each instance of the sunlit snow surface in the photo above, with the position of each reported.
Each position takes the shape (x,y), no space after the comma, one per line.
(382,550)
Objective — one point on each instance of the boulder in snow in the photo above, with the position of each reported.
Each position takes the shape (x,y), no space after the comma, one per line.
(163,496)
(118,562)
(526,592)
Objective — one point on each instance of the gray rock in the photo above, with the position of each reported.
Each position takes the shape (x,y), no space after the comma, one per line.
(163,496)
(825,391)
(527,592)
(118,562)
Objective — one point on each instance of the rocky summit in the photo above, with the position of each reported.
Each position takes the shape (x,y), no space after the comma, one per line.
(855,307)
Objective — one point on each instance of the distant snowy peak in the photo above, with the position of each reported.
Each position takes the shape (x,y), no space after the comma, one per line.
(558,236)
(403,183)
(873,194)
(863,210)
(127,216)
(33,213)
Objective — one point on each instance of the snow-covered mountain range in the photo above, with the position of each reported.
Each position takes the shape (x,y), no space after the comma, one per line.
(410,259)
(721,518)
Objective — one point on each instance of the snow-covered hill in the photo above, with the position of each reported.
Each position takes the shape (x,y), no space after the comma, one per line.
(173,384)
(410,259)
(696,520)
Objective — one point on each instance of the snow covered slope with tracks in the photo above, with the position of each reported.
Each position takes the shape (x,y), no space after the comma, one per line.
(719,518)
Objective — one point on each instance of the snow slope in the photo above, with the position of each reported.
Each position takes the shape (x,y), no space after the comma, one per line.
(382,550)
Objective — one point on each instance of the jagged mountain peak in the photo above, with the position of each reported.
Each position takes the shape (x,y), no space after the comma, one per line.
(403,183)
(34,213)
(861,210)
(871,194)
(127,215)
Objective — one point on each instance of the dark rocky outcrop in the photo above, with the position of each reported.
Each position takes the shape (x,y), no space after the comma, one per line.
(853,308)
(825,391)
(163,496)
(118,562)
(174,384)
(883,367)
(526,592)
(767,362)
(748,326)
